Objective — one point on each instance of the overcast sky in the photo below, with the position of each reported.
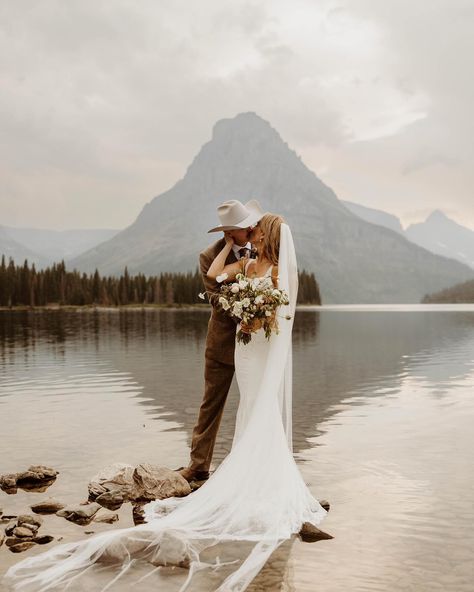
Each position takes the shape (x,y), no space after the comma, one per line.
(104,103)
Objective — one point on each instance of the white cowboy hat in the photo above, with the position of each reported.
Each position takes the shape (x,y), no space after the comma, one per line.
(234,214)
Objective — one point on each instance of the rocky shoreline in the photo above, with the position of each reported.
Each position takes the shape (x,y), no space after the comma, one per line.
(108,490)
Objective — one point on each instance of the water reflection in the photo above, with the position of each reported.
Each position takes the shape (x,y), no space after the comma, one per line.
(383,410)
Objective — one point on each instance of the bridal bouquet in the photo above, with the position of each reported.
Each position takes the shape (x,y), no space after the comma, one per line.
(254,301)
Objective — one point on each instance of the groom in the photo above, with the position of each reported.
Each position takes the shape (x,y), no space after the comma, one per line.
(238,219)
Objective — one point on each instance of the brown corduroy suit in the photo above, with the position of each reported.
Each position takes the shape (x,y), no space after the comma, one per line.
(219,366)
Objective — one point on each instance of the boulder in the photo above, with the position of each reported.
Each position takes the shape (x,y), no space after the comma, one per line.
(8,483)
(23,532)
(115,477)
(43,539)
(29,521)
(35,474)
(310,533)
(153,482)
(23,546)
(47,506)
(146,482)
(111,499)
(79,513)
(12,541)
(104,515)
(138,514)
(10,527)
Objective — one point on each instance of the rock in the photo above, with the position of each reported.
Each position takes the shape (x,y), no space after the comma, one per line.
(79,513)
(8,483)
(111,499)
(37,473)
(152,482)
(115,477)
(310,534)
(47,506)
(325,504)
(44,539)
(10,528)
(29,520)
(172,551)
(104,515)
(23,532)
(23,546)
(2,538)
(37,478)
(138,514)
(1,511)
(13,541)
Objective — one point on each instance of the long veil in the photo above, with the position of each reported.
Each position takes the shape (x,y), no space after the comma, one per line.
(227,529)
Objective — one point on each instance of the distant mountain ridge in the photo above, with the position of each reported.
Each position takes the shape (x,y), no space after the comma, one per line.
(375,216)
(43,246)
(438,233)
(10,248)
(354,261)
(444,236)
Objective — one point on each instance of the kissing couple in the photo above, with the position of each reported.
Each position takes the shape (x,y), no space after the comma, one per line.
(222,534)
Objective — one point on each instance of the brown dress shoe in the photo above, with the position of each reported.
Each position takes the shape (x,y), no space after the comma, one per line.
(193,475)
(310,534)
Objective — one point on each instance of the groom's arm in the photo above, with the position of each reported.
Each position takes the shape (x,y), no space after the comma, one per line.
(211,286)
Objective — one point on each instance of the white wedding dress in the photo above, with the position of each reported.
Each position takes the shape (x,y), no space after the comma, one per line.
(227,529)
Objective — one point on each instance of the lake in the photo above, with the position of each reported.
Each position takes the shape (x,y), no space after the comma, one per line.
(383,428)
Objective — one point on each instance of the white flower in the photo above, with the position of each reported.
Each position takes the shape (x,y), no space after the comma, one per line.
(276,292)
(246,302)
(235,288)
(259,299)
(224,303)
(202,296)
(222,277)
(268,313)
(237,309)
(243,284)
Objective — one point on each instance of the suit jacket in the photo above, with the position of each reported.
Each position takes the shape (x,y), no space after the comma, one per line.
(220,341)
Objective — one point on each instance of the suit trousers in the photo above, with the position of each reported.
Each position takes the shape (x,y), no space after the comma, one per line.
(218,378)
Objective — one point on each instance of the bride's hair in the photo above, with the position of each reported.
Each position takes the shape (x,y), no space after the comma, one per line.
(270,226)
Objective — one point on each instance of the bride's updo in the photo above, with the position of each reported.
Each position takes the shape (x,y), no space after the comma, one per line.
(270,224)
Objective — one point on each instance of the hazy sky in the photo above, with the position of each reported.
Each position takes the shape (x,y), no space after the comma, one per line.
(104,103)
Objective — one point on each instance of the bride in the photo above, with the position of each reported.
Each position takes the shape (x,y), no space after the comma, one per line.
(255,500)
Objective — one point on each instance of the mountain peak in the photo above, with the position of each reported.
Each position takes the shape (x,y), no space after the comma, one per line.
(244,125)
(437,216)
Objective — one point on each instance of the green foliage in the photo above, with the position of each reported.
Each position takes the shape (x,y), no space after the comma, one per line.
(25,286)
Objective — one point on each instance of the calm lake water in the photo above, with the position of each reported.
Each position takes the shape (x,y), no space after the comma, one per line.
(383,429)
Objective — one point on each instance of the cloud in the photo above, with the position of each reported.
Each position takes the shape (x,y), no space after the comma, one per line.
(103,105)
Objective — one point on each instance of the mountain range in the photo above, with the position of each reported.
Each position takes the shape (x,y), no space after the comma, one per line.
(355,261)
(43,246)
(438,233)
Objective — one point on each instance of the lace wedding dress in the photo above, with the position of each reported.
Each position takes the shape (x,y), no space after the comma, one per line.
(225,531)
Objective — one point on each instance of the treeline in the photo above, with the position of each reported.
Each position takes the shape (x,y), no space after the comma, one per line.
(458,294)
(26,286)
